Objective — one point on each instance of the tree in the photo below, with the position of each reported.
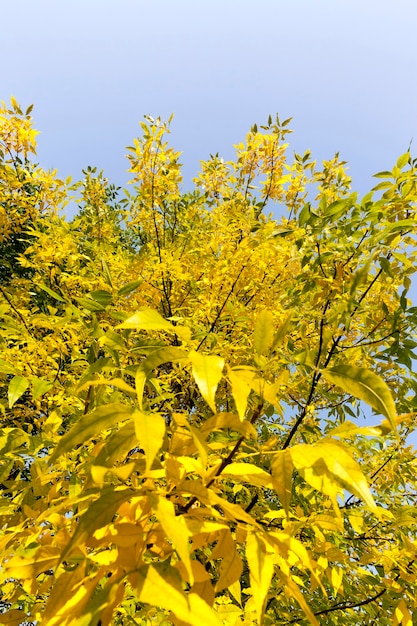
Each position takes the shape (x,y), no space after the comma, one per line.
(206,408)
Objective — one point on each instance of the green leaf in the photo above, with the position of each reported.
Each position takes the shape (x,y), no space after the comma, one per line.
(17,387)
(90,304)
(364,385)
(207,372)
(90,424)
(102,297)
(51,293)
(129,287)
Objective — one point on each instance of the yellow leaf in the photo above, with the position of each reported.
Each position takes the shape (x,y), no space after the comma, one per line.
(348,429)
(15,617)
(228,421)
(160,585)
(150,431)
(175,529)
(231,565)
(402,616)
(295,592)
(282,469)
(264,332)
(336,578)
(207,372)
(99,513)
(249,473)
(261,568)
(240,392)
(70,606)
(29,567)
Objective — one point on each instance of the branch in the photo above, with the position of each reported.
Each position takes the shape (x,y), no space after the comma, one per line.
(226,460)
(216,319)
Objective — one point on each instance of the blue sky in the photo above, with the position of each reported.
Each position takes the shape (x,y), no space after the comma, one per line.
(345,70)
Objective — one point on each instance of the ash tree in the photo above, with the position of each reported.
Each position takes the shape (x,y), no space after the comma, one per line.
(205,409)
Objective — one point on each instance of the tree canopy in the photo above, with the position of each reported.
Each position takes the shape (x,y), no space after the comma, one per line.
(205,408)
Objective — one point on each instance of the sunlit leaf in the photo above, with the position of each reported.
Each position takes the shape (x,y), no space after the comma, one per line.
(147,319)
(150,431)
(240,391)
(261,567)
(17,387)
(161,586)
(207,372)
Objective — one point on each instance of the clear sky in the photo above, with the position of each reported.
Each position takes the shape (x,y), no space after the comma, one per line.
(344,69)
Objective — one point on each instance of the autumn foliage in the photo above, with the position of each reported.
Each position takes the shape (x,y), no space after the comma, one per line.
(205,408)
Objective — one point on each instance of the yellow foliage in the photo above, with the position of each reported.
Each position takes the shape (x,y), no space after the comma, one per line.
(184,383)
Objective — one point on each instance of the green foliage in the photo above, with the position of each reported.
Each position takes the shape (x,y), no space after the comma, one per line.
(205,409)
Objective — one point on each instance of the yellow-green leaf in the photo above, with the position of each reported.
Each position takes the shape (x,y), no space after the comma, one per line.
(17,387)
(364,385)
(282,469)
(166,354)
(328,467)
(90,424)
(40,386)
(150,431)
(7,368)
(147,319)
(50,292)
(207,372)
(99,513)
(119,383)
